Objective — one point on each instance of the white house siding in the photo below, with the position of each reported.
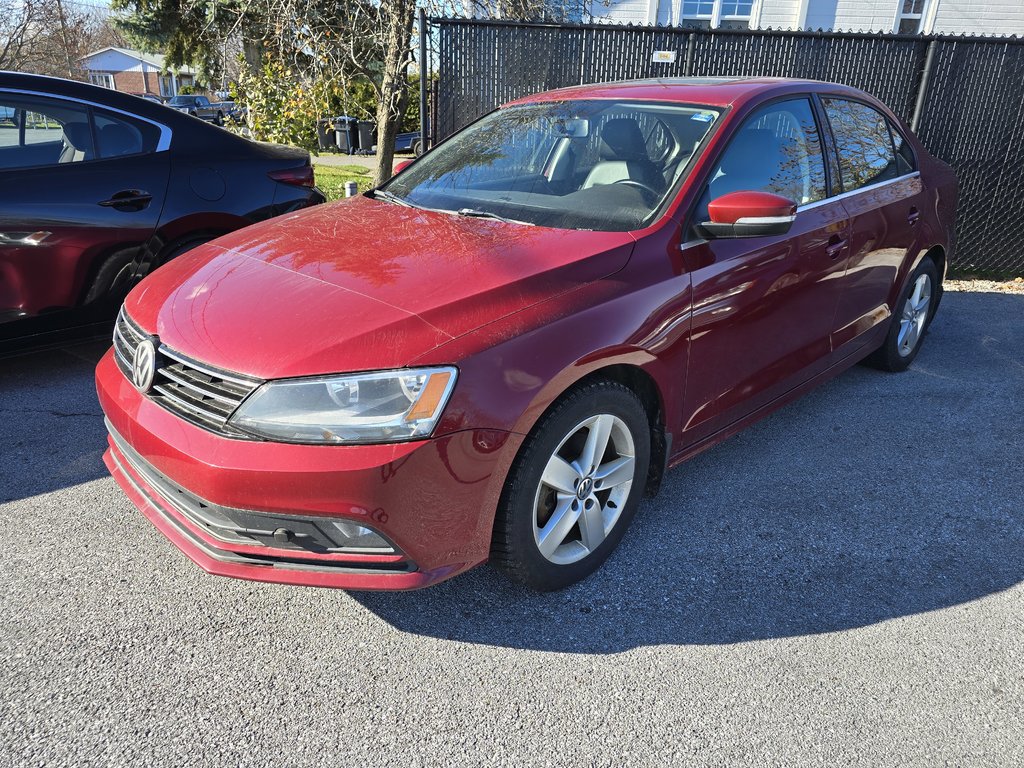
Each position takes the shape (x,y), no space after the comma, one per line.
(980,17)
(779,14)
(972,17)
(851,15)
(621,11)
(114,61)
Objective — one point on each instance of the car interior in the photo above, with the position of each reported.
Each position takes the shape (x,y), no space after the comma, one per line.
(33,135)
(585,166)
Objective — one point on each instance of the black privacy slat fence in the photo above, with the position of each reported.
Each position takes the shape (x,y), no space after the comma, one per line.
(964,96)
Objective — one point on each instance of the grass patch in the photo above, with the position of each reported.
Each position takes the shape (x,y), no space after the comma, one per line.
(331,179)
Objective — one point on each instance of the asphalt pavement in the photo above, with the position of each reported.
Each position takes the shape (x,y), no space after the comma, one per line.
(840,584)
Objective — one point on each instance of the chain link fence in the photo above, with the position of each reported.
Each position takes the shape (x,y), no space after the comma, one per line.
(963,96)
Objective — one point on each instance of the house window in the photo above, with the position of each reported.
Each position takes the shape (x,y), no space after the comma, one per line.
(910,15)
(707,14)
(102,79)
(166,86)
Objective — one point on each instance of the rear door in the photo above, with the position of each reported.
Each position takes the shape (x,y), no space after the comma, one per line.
(79,184)
(763,306)
(884,197)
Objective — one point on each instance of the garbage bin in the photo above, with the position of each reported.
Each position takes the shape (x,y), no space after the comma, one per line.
(346,134)
(325,134)
(366,135)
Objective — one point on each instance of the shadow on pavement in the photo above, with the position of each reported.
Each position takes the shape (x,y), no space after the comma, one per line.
(875,497)
(51,427)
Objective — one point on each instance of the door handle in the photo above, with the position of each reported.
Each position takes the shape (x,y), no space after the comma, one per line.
(913,216)
(835,246)
(128,200)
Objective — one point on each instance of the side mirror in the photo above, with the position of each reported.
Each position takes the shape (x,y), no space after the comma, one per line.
(401,166)
(748,214)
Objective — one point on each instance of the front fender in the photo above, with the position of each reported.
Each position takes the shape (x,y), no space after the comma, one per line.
(511,371)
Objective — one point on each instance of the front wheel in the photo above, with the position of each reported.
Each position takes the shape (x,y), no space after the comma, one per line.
(574,488)
(911,317)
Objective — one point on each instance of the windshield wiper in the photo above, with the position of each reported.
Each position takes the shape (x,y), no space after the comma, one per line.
(474,213)
(391,197)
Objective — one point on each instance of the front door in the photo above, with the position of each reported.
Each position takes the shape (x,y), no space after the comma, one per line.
(763,307)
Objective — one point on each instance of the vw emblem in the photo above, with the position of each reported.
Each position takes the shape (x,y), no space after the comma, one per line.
(144,365)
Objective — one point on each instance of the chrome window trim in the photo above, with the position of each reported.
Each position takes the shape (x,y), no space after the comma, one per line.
(852,192)
(163,143)
(841,196)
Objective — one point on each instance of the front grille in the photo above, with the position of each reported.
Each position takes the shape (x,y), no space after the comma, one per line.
(199,393)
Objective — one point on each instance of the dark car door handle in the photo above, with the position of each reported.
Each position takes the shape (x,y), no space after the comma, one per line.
(835,246)
(913,216)
(128,200)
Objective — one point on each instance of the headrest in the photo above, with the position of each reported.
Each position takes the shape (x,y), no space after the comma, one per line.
(117,139)
(79,136)
(622,139)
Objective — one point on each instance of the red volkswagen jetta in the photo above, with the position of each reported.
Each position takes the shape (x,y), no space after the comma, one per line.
(498,352)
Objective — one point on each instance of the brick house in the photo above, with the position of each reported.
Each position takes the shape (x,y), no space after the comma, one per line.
(129,71)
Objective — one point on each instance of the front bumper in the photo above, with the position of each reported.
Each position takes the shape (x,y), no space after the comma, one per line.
(433,500)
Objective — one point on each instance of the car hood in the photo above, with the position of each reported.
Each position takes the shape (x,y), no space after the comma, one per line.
(358,285)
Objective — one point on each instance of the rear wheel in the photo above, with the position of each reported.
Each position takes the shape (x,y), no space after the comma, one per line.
(574,488)
(113,278)
(219,120)
(912,316)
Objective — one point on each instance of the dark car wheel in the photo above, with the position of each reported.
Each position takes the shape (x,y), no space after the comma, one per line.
(219,120)
(574,488)
(911,317)
(113,278)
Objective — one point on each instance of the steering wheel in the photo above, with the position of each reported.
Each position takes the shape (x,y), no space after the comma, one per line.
(655,193)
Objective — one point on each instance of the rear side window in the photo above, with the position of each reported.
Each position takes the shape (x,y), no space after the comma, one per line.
(905,162)
(863,143)
(776,150)
(119,136)
(42,132)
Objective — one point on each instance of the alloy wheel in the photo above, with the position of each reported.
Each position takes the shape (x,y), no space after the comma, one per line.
(915,316)
(583,489)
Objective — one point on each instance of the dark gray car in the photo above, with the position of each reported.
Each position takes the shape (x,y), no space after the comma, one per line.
(198,106)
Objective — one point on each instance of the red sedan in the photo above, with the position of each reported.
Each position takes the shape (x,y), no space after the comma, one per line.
(497,353)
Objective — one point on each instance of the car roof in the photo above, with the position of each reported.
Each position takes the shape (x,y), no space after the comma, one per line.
(711,91)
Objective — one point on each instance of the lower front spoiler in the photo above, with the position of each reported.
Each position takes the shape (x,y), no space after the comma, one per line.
(220,562)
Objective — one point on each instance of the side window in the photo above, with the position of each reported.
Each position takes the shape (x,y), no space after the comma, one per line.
(776,150)
(42,132)
(905,162)
(118,136)
(863,143)
(202,101)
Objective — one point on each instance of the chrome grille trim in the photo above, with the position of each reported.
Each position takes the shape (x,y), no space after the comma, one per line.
(197,392)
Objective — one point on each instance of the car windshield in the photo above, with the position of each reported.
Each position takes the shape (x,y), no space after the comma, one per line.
(182,101)
(583,164)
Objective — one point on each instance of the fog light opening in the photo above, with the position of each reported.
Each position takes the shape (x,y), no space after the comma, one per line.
(355,537)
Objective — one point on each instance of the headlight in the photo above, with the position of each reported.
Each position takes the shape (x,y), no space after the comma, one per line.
(383,407)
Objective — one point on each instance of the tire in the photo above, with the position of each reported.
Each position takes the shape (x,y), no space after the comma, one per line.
(911,317)
(113,278)
(219,120)
(549,538)
(417,148)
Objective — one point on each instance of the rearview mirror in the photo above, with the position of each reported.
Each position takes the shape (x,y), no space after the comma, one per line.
(748,214)
(400,166)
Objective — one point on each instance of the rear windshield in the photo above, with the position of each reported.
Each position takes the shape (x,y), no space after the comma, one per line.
(182,101)
(585,164)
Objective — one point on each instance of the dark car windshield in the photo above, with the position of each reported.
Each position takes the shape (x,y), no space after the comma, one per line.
(182,101)
(585,164)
